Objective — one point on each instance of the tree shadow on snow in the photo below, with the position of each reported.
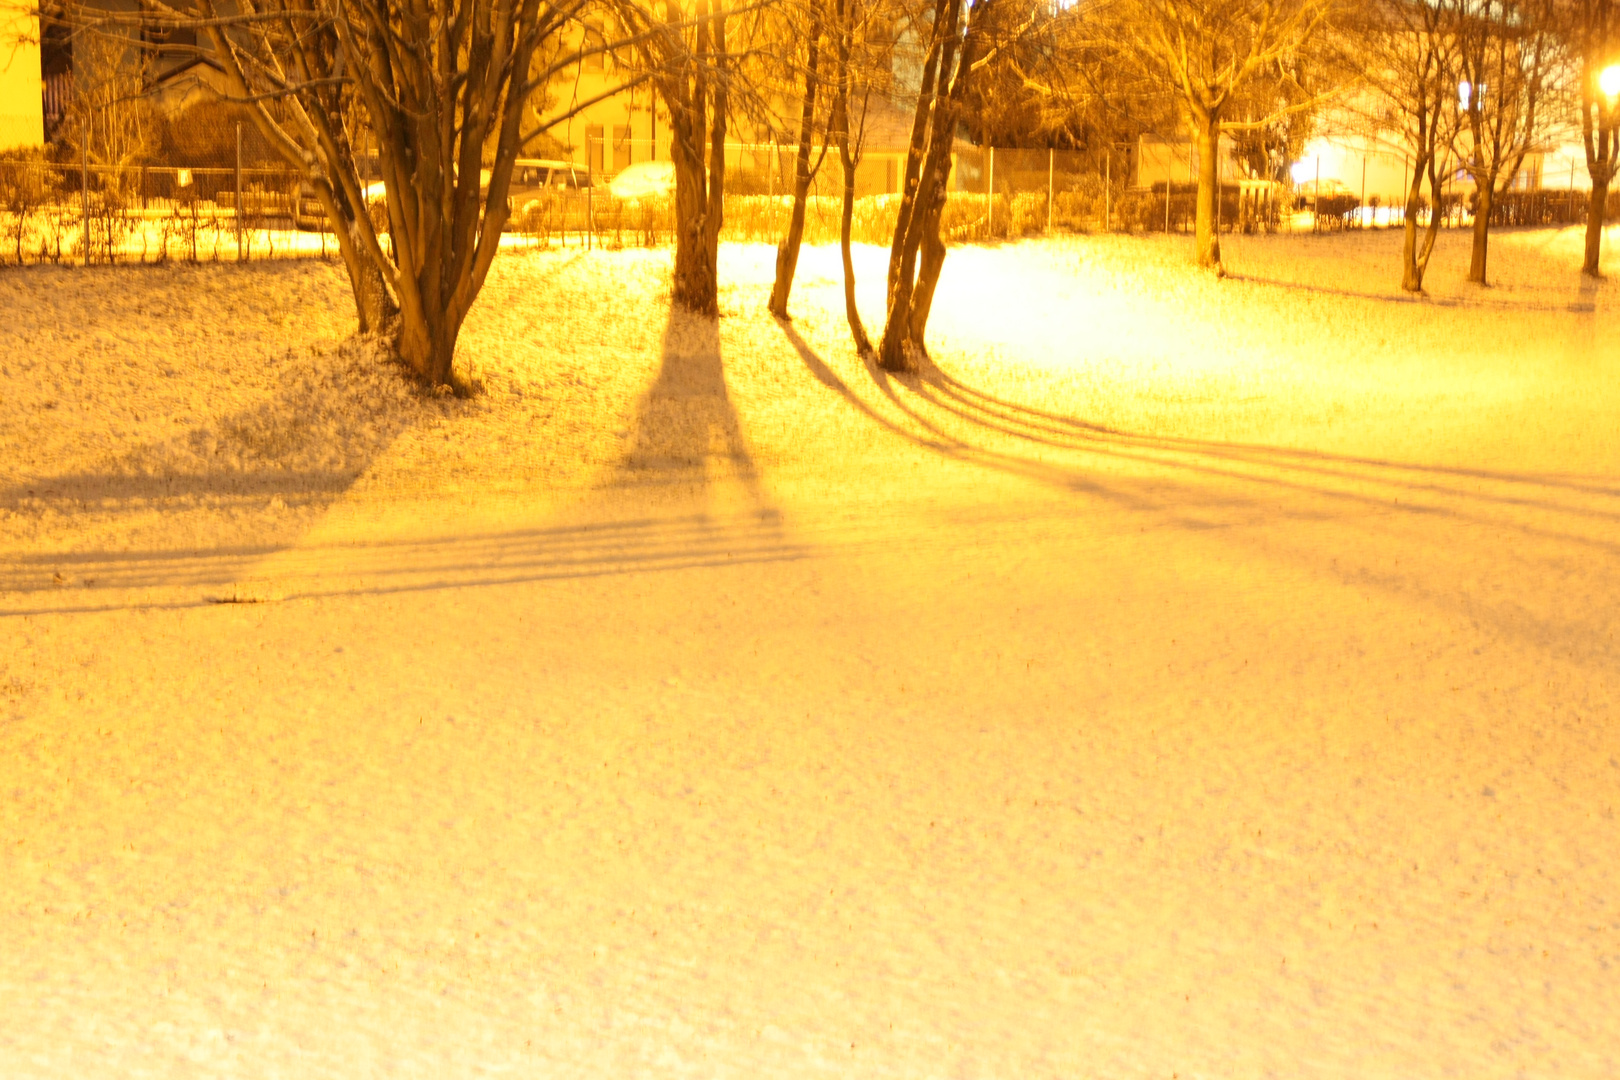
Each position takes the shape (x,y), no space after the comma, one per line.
(456,558)
(686,434)
(658,509)
(240,487)
(1561,530)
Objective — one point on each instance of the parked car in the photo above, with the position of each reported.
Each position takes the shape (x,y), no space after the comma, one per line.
(309,214)
(644,180)
(533,179)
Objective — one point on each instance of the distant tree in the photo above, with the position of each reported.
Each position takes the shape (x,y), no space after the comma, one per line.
(1596,40)
(1056,83)
(1209,53)
(1509,58)
(1035,93)
(108,121)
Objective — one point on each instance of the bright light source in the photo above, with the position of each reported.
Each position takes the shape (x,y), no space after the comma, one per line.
(1464,92)
(1609,81)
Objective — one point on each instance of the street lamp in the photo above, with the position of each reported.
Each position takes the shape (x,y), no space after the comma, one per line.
(1609,81)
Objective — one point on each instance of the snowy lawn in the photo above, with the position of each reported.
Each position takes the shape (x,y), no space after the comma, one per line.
(1187,678)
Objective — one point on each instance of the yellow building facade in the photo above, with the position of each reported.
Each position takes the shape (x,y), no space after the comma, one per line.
(22,110)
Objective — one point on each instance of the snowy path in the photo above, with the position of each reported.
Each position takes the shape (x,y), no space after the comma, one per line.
(1190,679)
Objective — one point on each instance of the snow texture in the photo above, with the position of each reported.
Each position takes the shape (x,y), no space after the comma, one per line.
(1189,678)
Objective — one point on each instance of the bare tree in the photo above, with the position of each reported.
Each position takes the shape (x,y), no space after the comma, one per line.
(1508,59)
(1597,40)
(1209,51)
(854,74)
(1409,53)
(808,28)
(108,120)
(687,60)
(440,88)
(956,50)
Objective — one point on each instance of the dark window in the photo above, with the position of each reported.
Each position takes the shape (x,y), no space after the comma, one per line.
(593,146)
(621,147)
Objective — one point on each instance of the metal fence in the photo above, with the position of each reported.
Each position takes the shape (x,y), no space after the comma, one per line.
(54,212)
(87,214)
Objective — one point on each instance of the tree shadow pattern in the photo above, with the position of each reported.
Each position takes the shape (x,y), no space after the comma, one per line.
(238,488)
(1562,530)
(304,447)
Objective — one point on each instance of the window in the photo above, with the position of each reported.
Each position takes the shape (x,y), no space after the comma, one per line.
(621,147)
(593,147)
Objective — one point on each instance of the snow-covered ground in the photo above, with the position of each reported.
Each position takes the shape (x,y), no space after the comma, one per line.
(1190,678)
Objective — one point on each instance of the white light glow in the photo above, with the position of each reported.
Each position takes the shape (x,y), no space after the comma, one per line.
(1609,81)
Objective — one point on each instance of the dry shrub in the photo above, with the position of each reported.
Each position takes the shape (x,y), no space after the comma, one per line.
(28,183)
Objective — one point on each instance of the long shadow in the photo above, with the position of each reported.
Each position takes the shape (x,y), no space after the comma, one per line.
(1553,270)
(685,433)
(687,440)
(313,438)
(1283,469)
(1581,305)
(303,448)
(419,564)
(1055,429)
(1175,500)
(942,442)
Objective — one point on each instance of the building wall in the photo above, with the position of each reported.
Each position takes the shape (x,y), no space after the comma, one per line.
(22,110)
(1175,160)
(1381,169)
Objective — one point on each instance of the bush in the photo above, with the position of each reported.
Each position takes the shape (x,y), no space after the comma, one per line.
(29,182)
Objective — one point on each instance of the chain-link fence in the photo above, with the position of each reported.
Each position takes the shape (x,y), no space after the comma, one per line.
(87,214)
(221,195)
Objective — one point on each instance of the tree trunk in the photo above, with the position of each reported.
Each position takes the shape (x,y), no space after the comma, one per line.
(787,253)
(427,343)
(373,305)
(920,209)
(1414,263)
(944,14)
(1207,240)
(1596,209)
(1411,272)
(932,261)
(1482,229)
(375,308)
(840,120)
(700,198)
(696,285)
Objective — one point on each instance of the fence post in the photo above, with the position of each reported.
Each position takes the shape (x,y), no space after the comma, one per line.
(84,187)
(990,196)
(1051,167)
(1316,198)
(239,254)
